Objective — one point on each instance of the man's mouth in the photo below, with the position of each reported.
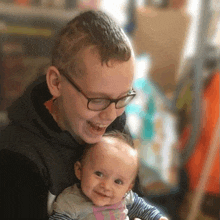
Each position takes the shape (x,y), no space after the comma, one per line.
(97,127)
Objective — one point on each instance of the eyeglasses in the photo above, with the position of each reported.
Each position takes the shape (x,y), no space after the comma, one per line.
(99,104)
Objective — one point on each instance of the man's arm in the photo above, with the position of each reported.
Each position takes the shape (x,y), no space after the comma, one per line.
(23,193)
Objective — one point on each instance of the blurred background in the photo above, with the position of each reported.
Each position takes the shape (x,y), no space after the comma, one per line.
(175,118)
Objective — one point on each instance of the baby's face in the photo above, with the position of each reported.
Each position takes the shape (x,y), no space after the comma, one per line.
(108,171)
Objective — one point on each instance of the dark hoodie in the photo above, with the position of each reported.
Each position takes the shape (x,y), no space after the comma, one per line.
(36,156)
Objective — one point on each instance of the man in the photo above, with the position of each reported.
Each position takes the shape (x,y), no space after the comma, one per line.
(83,94)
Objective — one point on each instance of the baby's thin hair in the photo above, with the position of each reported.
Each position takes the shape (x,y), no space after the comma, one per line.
(126,138)
(121,136)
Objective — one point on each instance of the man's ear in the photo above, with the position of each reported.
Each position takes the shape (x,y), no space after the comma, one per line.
(77,168)
(53,78)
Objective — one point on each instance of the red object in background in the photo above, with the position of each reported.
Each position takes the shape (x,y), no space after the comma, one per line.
(210,117)
(22,2)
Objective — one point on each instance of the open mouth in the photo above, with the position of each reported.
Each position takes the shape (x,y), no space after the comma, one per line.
(97,128)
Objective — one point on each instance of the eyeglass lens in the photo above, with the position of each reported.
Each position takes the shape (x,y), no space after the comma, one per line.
(101,104)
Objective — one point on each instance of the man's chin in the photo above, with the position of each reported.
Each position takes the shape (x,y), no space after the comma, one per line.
(92,140)
(86,138)
(89,138)
(94,131)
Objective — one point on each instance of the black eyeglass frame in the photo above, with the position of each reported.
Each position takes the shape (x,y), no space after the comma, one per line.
(70,80)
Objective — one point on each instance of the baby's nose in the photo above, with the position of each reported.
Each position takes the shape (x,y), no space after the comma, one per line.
(106,184)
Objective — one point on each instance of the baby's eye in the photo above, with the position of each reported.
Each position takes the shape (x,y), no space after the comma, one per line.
(119,182)
(98,173)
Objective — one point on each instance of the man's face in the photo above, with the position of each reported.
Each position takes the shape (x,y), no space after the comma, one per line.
(98,81)
(107,172)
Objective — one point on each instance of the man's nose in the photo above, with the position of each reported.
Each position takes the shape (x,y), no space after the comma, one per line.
(111,113)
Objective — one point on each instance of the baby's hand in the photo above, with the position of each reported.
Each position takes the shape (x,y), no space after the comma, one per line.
(162,218)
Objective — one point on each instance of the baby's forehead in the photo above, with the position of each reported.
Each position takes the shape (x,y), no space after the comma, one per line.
(113,143)
(110,152)
(113,146)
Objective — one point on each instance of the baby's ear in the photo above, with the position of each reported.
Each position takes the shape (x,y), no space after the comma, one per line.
(77,168)
(130,187)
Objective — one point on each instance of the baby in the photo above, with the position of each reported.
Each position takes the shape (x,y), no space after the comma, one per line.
(107,172)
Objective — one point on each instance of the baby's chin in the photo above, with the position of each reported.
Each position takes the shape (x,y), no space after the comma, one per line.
(101,204)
